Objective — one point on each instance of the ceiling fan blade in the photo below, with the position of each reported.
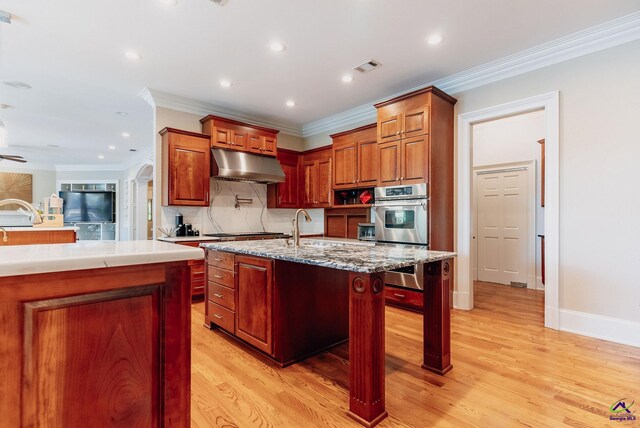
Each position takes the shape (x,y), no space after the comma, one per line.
(13,158)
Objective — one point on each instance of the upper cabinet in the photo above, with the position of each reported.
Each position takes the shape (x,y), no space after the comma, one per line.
(355,158)
(286,194)
(186,168)
(405,133)
(234,135)
(316,178)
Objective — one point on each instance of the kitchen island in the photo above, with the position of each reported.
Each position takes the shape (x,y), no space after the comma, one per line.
(261,283)
(95,333)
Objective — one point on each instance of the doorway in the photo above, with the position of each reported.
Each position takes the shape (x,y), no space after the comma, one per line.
(504,224)
(549,104)
(141,207)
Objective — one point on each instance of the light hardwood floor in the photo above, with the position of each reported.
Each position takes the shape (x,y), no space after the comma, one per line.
(508,370)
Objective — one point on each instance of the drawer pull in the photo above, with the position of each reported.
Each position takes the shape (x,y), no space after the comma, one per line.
(218,316)
(217,276)
(218,295)
(217,260)
(399,295)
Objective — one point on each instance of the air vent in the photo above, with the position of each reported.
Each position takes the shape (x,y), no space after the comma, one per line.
(5,17)
(372,64)
(220,2)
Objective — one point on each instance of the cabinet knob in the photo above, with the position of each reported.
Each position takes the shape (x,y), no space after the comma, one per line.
(398,133)
(401,178)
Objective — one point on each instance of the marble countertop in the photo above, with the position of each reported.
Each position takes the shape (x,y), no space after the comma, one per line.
(32,259)
(351,255)
(36,229)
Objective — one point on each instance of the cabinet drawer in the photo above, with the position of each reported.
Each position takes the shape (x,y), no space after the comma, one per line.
(197,289)
(223,296)
(197,276)
(222,317)
(198,267)
(402,297)
(221,276)
(220,259)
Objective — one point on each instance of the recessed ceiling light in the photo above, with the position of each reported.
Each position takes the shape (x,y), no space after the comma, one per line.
(225,83)
(133,55)
(112,147)
(122,113)
(133,150)
(434,39)
(53,146)
(347,78)
(125,135)
(277,47)
(17,84)
(290,103)
(100,156)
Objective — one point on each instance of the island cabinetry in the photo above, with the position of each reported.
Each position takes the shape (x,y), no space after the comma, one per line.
(254,302)
(185,168)
(234,135)
(106,345)
(355,157)
(220,293)
(286,194)
(35,236)
(196,273)
(316,172)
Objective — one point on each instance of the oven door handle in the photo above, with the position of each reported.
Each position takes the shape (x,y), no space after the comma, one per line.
(383,205)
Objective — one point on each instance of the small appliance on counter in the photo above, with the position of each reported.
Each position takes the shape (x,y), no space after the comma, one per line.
(181,229)
(366,231)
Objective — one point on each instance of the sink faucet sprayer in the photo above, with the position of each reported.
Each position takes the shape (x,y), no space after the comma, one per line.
(37,218)
(296,227)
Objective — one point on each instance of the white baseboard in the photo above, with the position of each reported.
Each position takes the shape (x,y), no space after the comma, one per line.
(600,327)
(462,301)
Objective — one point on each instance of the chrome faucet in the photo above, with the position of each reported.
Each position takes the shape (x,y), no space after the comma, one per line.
(295,231)
(5,238)
(37,218)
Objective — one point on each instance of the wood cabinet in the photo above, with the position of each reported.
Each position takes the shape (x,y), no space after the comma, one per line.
(35,236)
(110,346)
(316,174)
(220,291)
(234,135)
(286,194)
(196,273)
(343,222)
(404,161)
(355,158)
(254,297)
(185,168)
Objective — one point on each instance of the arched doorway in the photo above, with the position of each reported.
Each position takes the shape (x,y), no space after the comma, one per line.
(141,218)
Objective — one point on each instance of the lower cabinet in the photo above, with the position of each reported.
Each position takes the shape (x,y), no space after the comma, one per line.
(285,310)
(254,302)
(343,222)
(196,274)
(404,298)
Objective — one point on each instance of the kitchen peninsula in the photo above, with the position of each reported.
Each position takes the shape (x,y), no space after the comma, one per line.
(269,293)
(95,332)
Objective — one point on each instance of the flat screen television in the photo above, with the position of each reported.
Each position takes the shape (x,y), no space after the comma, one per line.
(88,206)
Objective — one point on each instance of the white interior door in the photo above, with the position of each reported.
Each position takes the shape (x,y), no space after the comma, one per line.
(503,220)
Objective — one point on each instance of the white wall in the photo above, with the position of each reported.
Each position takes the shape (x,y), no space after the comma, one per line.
(226,218)
(599,276)
(513,139)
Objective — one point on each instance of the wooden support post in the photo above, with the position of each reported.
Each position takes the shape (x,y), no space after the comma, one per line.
(437,317)
(366,348)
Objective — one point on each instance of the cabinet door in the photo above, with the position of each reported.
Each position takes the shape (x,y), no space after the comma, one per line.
(389,158)
(288,191)
(255,143)
(414,160)
(221,137)
(323,198)
(270,145)
(239,140)
(415,122)
(254,302)
(310,174)
(188,170)
(346,166)
(389,128)
(368,168)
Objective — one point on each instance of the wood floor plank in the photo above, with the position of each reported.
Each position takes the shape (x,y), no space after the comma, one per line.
(508,371)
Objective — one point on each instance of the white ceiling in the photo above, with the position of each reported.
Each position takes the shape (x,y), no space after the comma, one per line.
(72,53)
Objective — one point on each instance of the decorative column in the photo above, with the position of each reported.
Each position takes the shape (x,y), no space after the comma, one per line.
(366,348)
(437,316)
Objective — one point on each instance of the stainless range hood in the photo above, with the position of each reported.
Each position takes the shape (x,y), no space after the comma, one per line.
(240,166)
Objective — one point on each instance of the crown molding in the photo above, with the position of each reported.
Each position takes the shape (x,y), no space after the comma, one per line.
(609,34)
(89,168)
(8,165)
(188,105)
(145,94)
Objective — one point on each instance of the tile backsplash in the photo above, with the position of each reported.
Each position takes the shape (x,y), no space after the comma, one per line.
(222,216)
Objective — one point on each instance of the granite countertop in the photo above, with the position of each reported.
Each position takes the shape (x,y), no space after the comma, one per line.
(350,255)
(33,259)
(175,239)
